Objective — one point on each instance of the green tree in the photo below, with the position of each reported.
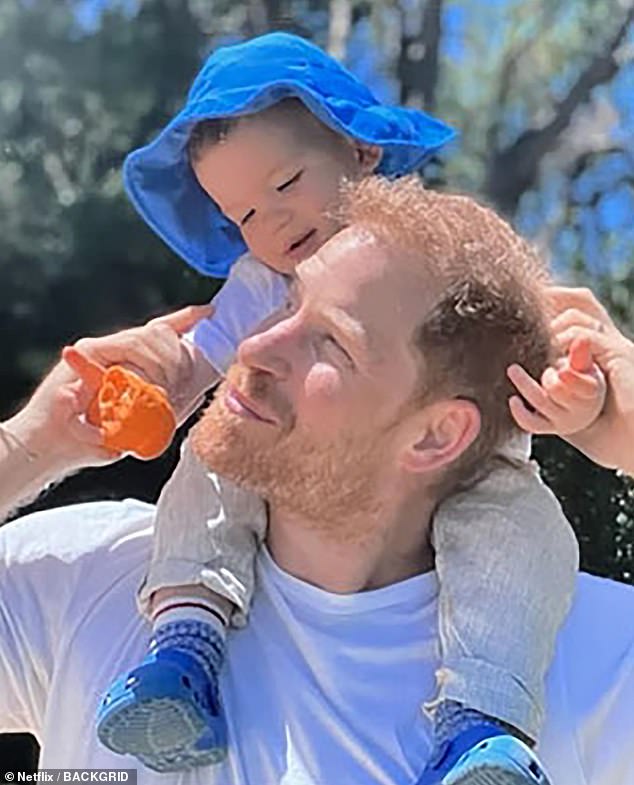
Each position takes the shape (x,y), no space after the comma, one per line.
(529,82)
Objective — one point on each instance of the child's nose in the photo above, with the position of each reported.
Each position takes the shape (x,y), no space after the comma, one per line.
(278,219)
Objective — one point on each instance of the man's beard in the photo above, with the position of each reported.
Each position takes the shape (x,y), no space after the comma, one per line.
(325,482)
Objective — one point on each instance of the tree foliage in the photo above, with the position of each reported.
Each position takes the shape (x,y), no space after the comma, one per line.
(541,90)
(538,87)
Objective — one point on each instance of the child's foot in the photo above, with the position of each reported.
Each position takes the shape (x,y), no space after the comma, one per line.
(501,760)
(485,755)
(166,712)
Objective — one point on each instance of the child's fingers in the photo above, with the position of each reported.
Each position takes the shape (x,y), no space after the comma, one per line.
(89,371)
(574,318)
(572,393)
(563,298)
(183,320)
(532,422)
(598,342)
(558,392)
(533,392)
(582,387)
(580,355)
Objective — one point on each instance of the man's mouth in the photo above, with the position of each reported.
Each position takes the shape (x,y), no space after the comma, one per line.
(239,404)
(299,245)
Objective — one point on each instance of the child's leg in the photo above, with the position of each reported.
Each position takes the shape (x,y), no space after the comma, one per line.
(506,560)
(206,533)
(167,711)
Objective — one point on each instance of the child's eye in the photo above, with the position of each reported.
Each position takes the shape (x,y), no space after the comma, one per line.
(247,217)
(290,182)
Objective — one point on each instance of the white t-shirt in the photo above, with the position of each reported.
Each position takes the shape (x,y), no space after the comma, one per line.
(319,688)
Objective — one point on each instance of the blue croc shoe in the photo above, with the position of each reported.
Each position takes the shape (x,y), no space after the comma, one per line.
(166,713)
(485,755)
(502,760)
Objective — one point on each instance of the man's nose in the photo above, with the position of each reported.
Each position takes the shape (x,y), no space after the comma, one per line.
(270,349)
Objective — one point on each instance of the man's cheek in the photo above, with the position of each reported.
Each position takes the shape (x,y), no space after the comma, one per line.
(323,386)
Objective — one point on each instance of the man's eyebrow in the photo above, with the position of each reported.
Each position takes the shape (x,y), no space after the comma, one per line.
(351,331)
(345,326)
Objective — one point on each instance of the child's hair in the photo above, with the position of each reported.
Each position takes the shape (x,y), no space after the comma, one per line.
(289,111)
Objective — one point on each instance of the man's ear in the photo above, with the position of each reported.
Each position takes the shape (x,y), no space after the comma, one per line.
(368,156)
(441,433)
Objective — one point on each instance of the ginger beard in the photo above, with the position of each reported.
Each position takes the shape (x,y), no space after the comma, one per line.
(323,480)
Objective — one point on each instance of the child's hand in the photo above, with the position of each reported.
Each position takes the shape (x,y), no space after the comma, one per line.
(569,397)
(609,441)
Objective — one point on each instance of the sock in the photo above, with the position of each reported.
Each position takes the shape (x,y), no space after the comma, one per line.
(195,638)
(193,625)
(452,718)
(184,608)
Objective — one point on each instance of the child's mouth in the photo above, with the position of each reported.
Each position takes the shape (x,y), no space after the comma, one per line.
(298,245)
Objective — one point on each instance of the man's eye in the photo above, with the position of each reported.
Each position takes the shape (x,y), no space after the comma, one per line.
(333,343)
(247,217)
(290,182)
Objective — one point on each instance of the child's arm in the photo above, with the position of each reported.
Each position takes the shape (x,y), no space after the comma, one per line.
(583,325)
(207,529)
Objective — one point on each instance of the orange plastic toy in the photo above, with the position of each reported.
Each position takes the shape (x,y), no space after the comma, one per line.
(135,416)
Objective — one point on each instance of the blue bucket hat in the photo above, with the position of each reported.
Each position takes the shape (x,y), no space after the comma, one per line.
(243,79)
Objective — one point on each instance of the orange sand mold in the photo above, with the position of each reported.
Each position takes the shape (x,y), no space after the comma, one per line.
(136,416)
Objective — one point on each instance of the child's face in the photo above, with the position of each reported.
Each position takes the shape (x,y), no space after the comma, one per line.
(277,186)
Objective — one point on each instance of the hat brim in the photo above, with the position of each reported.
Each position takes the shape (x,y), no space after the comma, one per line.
(161,184)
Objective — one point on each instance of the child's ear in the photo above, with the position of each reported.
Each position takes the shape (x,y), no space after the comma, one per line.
(368,156)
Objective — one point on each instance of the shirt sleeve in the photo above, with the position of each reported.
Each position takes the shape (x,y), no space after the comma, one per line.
(251,294)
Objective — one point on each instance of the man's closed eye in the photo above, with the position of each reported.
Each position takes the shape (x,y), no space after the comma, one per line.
(333,345)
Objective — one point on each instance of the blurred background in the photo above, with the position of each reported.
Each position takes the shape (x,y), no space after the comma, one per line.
(541,90)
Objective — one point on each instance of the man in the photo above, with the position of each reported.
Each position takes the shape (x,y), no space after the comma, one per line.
(324,684)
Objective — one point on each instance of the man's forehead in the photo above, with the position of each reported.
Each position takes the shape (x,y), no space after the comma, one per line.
(357,277)
(354,266)
(350,257)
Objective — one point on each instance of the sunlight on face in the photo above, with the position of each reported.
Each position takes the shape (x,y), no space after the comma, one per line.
(308,413)
(277,184)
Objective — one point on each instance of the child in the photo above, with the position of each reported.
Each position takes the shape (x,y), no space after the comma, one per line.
(247,172)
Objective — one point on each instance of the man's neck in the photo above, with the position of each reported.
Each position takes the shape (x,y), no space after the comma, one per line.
(361,552)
